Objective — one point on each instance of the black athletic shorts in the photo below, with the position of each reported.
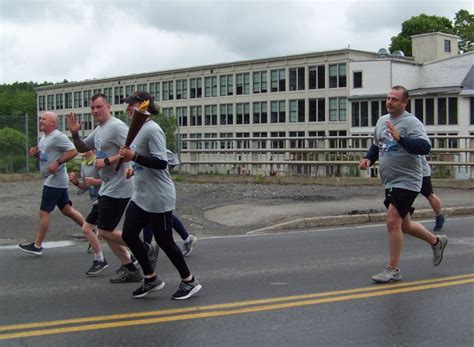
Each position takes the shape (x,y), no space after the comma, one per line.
(93,215)
(110,212)
(401,198)
(53,197)
(426,187)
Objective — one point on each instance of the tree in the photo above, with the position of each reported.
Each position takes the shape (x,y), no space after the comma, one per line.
(464,28)
(168,124)
(12,143)
(419,25)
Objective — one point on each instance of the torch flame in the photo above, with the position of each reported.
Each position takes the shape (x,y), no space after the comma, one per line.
(143,106)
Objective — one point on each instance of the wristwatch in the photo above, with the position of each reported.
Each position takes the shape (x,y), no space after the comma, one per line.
(107,161)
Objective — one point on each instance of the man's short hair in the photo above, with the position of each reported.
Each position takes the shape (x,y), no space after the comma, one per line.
(100,95)
(404,90)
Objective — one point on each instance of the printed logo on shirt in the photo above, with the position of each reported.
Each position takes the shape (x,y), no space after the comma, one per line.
(387,143)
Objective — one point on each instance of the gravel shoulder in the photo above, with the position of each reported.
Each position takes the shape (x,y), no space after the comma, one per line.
(209,209)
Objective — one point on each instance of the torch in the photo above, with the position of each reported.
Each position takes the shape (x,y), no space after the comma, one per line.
(139,117)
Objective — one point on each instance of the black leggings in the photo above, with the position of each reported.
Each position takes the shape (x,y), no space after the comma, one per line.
(161,224)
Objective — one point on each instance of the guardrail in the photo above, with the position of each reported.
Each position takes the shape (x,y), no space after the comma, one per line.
(450,156)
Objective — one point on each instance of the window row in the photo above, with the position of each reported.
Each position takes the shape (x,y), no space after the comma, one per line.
(430,111)
(257,82)
(281,111)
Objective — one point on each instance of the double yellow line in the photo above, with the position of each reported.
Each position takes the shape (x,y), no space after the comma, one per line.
(225,309)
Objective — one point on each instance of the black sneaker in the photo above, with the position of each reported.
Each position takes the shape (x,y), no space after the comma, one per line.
(186,290)
(31,248)
(97,266)
(148,287)
(121,269)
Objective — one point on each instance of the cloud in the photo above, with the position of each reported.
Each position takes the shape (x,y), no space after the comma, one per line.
(55,40)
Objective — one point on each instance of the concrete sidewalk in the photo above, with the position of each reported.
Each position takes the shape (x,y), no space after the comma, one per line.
(351,210)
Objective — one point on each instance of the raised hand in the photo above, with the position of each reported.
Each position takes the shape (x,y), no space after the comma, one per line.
(73,124)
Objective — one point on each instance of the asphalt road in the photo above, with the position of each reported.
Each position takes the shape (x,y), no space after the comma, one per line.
(305,288)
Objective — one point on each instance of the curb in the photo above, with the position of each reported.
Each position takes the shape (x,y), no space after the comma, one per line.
(312,222)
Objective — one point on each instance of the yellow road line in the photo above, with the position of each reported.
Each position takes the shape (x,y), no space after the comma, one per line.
(379,291)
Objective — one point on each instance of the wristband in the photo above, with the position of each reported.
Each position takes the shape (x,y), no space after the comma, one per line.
(107,161)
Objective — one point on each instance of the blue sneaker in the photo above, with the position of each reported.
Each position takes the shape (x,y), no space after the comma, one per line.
(439,222)
(31,248)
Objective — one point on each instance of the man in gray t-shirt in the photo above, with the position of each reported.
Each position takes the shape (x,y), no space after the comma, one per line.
(116,190)
(53,151)
(400,140)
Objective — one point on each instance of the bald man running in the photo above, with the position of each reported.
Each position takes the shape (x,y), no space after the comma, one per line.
(53,150)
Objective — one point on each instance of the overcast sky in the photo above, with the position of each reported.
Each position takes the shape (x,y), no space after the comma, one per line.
(50,40)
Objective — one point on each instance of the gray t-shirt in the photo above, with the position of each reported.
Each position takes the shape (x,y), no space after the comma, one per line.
(425,166)
(52,147)
(89,170)
(107,140)
(398,168)
(154,189)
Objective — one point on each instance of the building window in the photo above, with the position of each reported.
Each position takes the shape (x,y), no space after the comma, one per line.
(108,94)
(429,111)
(227,114)
(317,136)
(88,121)
(243,113)
(210,115)
(227,85)
(196,115)
(210,144)
(336,141)
(167,111)
(298,143)
(210,86)
(97,91)
(77,100)
(195,144)
(242,143)
(447,111)
(260,112)
(278,83)
(155,90)
(142,87)
(471,100)
(168,90)
(447,46)
(297,78)
(88,96)
(337,75)
(419,110)
(242,83)
(337,109)
(360,114)
(261,143)
(226,144)
(59,102)
(196,88)
(377,109)
(278,111)
(296,111)
(183,141)
(260,82)
(128,90)
(182,116)
(181,89)
(41,103)
(275,142)
(68,100)
(357,79)
(50,99)
(118,96)
(316,77)
(317,110)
